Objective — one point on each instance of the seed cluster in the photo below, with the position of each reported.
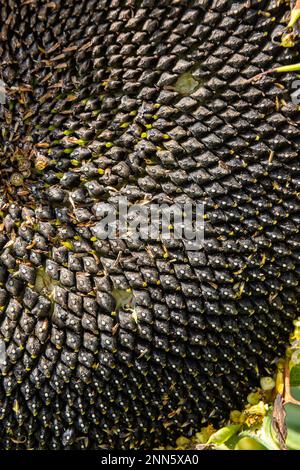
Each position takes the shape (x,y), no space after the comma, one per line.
(121,343)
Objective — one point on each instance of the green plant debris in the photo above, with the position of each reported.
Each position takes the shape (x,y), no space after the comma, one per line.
(186,84)
(43,282)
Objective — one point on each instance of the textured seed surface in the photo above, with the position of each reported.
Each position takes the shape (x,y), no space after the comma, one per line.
(122,344)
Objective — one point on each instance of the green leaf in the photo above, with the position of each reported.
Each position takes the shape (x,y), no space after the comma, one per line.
(223,434)
(295,379)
